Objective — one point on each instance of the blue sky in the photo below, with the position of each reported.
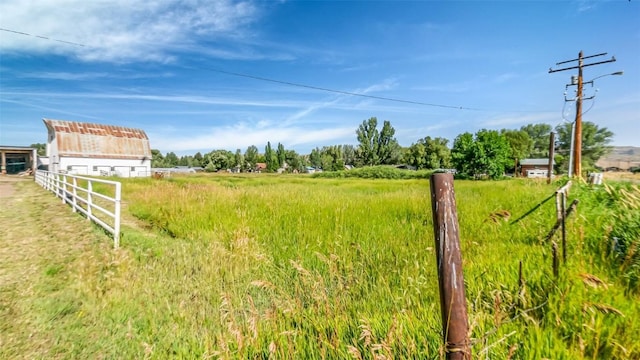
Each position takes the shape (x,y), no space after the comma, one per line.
(175,68)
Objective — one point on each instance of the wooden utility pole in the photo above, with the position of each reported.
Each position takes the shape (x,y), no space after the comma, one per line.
(453,302)
(577,143)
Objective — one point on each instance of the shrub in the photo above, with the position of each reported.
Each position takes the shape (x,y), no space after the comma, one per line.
(375,172)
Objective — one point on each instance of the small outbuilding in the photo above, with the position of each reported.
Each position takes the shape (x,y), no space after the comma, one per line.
(95,149)
(16,159)
(534,167)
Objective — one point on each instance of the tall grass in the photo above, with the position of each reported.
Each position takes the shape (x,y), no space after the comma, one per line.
(297,267)
(345,268)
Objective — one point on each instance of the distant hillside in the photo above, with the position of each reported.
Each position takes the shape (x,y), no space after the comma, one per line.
(621,157)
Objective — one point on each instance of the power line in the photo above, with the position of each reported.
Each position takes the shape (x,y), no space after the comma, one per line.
(289,83)
(333,90)
(44,37)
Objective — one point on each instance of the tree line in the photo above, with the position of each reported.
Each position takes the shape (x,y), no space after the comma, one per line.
(487,153)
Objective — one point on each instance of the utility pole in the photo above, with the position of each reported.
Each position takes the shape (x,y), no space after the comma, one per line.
(577,140)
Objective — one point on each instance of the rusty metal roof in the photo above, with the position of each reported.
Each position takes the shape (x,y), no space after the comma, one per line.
(79,139)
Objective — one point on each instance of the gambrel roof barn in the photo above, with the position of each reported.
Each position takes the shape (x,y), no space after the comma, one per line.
(97,149)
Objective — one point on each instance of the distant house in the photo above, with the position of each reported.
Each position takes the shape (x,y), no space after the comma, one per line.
(534,167)
(97,149)
(260,167)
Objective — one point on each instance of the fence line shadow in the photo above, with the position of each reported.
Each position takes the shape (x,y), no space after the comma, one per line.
(532,209)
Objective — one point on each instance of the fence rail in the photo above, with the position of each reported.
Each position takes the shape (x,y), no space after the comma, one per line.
(80,193)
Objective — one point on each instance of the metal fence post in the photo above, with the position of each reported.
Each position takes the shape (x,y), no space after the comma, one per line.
(453,304)
(116,225)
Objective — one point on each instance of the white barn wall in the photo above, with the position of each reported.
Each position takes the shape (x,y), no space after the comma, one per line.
(112,167)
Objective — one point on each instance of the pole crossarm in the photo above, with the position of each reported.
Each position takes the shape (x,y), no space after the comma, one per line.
(586,57)
(577,137)
(585,65)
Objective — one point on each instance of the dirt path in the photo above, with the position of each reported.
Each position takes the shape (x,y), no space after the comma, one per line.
(40,239)
(7,185)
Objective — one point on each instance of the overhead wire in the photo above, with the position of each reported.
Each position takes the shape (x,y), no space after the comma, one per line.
(333,90)
(290,83)
(44,37)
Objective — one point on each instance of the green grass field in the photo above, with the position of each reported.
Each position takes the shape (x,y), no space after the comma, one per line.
(293,267)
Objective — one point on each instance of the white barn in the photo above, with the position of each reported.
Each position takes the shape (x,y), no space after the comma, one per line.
(95,149)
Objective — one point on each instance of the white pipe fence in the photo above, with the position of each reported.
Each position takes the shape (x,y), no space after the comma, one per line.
(80,193)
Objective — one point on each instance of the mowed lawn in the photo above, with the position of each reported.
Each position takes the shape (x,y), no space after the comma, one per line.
(292,267)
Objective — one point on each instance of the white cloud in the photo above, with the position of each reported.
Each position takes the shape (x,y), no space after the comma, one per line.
(241,136)
(82,76)
(387,84)
(186,98)
(120,30)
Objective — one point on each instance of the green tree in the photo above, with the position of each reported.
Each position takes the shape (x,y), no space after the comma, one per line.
(270,158)
(41,149)
(492,153)
(520,145)
(463,154)
(171,159)
(157,159)
(595,144)
(416,155)
(368,136)
(437,153)
(185,160)
(429,153)
(539,134)
(281,155)
(315,158)
(197,157)
(486,154)
(377,147)
(332,158)
(218,160)
(295,161)
(197,160)
(251,157)
(388,148)
(349,154)
(238,159)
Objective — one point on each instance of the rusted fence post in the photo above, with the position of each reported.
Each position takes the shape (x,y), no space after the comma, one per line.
(554,255)
(551,155)
(564,227)
(453,304)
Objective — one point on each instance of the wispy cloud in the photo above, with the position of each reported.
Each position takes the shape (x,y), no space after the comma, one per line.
(586,5)
(189,99)
(121,30)
(385,85)
(82,76)
(243,135)
(448,88)
(48,108)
